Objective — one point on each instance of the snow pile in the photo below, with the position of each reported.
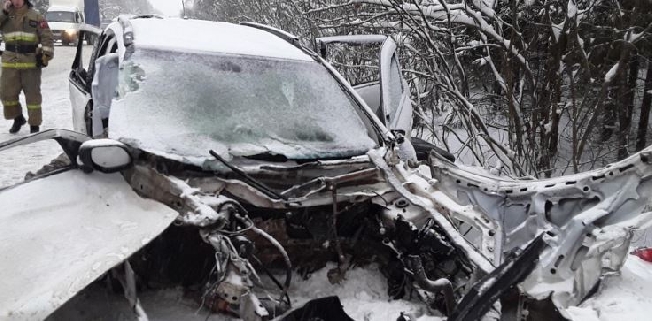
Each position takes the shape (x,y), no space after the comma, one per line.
(627,296)
(363,294)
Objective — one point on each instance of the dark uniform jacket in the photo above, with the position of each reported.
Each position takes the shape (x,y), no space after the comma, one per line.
(23,29)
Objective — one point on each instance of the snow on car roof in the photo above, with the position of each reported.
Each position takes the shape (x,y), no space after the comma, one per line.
(209,36)
(63,8)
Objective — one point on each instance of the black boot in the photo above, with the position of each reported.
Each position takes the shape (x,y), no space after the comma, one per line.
(33,129)
(19,121)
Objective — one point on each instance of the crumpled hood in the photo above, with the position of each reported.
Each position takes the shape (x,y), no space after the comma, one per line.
(53,244)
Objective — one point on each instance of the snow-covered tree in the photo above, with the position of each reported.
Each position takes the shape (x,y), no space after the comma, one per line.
(110,9)
(40,5)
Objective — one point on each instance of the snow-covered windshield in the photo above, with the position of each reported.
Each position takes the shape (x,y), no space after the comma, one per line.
(60,16)
(188,103)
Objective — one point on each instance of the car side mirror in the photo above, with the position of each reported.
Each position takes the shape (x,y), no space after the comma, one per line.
(104,155)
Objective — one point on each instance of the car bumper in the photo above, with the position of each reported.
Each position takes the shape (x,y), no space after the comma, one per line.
(66,35)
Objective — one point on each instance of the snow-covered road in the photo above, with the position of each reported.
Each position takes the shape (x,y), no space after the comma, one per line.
(16,162)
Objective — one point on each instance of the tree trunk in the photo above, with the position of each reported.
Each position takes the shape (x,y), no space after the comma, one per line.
(609,120)
(626,97)
(645,110)
(550,123)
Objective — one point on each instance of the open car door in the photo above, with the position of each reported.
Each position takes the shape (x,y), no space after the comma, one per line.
(395,96)
(81,77)
(388,97)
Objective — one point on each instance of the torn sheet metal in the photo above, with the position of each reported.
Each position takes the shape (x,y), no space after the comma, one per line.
(587,218)
(60,233)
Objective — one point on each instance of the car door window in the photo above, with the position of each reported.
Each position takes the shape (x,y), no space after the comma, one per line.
(101,48)
(91,61)
(80,73)
(80,79)
(388,98)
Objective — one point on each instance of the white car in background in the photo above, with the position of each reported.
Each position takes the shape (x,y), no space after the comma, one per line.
(65,23)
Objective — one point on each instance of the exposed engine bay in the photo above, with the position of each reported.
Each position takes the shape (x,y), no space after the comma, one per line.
(490,239)
(353,218)
(467,244)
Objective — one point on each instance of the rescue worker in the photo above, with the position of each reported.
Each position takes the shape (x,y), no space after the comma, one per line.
(29,46)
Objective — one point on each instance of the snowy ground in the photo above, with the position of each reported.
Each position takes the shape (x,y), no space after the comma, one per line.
(363,295)
(56,114)
(627,296)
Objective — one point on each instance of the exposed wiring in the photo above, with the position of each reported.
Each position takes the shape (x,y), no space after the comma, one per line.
(272,277)
(381,197)
(288,277)
(226,251)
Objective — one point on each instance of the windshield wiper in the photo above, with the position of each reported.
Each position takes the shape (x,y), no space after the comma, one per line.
(252,181)
(273,157)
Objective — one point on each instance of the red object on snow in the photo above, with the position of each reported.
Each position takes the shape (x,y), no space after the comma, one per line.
(644,253)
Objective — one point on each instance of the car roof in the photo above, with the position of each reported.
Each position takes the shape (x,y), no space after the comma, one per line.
(63,8)
(188,35)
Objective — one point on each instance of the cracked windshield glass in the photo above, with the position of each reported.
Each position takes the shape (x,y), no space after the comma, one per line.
(243,106)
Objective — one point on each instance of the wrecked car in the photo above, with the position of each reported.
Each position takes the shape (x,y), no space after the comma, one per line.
(228,169)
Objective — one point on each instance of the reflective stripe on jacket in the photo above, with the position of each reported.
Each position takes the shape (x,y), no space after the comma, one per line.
(22,28)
